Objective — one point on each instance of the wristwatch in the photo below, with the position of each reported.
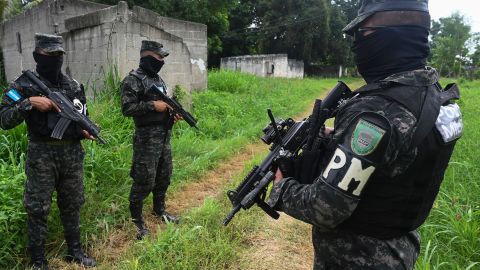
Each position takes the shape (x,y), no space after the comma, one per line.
(25,105)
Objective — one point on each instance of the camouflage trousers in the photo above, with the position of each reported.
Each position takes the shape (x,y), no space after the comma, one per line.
(346,250)
(49,168)
(152,164)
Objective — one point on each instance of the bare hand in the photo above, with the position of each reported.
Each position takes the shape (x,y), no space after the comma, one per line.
(177,118)
(327,131)
(161,106)
(87,135)
(278,177)
(43,104)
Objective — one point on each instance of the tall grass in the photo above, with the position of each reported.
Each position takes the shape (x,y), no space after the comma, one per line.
(231,113)
(451,234)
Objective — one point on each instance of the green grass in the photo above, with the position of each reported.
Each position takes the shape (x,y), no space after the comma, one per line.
(451,234)
(231,113)
(450,237)
(200,241)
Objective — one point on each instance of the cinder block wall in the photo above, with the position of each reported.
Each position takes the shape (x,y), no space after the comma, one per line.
(105,36)
(17,34)
(270,65)
(193,35)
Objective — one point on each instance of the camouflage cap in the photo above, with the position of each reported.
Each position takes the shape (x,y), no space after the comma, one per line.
(49,43)
(370,7)
(153,46)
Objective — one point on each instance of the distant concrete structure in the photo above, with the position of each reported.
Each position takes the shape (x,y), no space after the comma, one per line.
(265,65)
(99,36)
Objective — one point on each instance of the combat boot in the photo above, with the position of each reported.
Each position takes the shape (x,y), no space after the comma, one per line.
(76,253)
(39,262)
(167,217)
(159,211)
(136,212)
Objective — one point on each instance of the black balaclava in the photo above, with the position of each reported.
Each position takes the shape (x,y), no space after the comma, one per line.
(389,50)
(49,66)
(151,65)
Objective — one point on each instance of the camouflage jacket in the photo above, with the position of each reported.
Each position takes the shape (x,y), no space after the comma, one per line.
(13,111)
(325,206)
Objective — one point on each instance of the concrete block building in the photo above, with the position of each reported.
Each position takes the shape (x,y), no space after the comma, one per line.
(98,37)
(266,65)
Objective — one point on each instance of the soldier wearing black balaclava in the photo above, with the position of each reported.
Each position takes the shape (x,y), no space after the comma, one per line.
(152,154)
(51,164)
(388,151)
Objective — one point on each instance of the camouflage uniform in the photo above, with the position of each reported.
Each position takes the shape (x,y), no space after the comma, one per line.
(50,164)
(326,207)
(152,155)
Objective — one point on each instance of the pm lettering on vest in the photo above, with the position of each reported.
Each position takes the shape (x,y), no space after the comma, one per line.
(347,172)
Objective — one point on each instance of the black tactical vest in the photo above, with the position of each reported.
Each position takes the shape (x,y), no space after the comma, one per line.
(41,124)
(153,117)
(391,207)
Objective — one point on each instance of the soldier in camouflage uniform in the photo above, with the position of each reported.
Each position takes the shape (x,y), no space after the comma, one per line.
(388,151)
(152,154)
(51,164)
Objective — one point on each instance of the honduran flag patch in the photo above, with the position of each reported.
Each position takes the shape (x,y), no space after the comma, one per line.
(14,95)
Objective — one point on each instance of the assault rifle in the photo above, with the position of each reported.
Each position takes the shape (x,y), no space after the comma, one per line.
(68,113)
(289,138)
(176,107)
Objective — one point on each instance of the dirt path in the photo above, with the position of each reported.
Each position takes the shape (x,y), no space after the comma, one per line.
(282,244)
(192,195)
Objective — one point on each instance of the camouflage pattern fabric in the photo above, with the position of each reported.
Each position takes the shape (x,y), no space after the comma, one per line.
(326,207)
(48,168)
(14,113)
(153,46)
(49,43)
(152,157)
(152,164)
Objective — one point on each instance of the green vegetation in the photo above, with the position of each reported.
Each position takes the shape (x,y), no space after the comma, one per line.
(451,235)
(231,114)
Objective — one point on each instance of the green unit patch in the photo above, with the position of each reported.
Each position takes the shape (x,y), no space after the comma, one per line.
(365,138)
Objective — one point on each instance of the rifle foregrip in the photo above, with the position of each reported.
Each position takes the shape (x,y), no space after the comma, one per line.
(269,210)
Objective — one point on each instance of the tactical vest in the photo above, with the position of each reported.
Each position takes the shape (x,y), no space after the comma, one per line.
(151,117)
(41,124)
(391,207)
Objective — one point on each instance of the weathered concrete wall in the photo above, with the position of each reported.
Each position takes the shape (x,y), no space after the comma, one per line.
(270,65)
(105,36)
(17,34)
(193,35)
(295,69)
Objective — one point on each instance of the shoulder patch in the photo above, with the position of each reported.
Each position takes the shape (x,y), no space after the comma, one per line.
(366,137)
(13,95)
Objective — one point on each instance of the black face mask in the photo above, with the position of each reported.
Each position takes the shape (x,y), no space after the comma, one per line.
(49,67)
(151,65)
(390,50)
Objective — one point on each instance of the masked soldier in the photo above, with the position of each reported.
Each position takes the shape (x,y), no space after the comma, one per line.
(389,149)
(152,157)
(51,164)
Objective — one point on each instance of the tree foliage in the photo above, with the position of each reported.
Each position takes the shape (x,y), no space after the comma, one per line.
(449,40)
(213,13)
